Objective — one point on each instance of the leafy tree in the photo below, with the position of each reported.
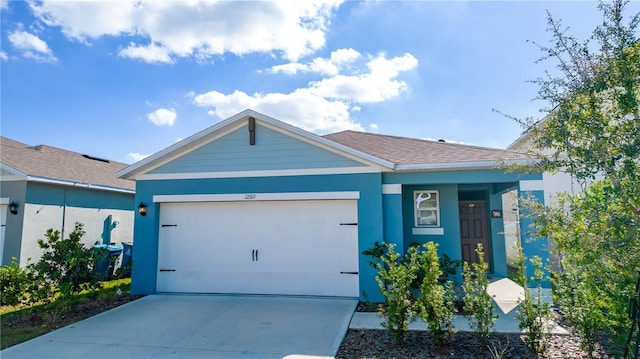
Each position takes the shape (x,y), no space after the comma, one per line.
(592,131)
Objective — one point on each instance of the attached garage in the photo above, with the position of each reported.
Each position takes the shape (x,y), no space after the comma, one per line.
(258,245)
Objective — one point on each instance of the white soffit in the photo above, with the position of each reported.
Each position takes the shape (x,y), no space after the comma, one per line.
(392,189)
(532,185)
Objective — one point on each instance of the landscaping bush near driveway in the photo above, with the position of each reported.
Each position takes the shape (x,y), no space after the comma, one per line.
(19,323)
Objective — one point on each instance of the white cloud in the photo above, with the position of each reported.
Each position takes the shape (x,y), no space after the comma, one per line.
(4,4)
(325,105)
(373,127)
(196,28)
(3,55)
(291,68)
(151,53)
(331,66)
(378,85)
(162,117)
(31,46)
(135,156)
(300,108)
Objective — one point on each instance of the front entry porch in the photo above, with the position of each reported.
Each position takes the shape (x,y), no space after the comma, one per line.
(458,217)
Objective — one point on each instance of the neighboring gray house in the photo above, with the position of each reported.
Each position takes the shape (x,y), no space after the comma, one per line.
(44,187)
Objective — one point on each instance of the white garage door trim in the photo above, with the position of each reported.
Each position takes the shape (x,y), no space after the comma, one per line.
(237,197)
(301,247)
(4,202)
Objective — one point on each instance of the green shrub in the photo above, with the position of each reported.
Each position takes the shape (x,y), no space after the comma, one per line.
(65,268)
(435,303)
(395,277)
(534,314)
(477,303)
(14,282)
(448,266)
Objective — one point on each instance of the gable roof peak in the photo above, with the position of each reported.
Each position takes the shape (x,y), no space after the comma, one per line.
(232,123)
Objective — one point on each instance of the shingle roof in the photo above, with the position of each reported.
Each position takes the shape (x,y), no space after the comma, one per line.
(413,151)
(57,164)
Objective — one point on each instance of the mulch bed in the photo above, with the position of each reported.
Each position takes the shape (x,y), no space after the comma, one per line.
(380,344)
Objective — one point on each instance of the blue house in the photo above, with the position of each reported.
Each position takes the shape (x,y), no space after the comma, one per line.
(254,205)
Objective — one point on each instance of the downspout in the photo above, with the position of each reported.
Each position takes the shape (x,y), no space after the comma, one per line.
(64,210)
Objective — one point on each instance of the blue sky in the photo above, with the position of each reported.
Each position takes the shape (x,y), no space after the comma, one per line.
(123,79)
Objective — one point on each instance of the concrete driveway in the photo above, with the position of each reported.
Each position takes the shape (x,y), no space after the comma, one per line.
(201,326)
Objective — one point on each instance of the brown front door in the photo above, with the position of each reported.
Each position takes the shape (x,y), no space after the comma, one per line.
(474,229)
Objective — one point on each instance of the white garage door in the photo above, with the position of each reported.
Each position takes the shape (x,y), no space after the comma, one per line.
(270,247)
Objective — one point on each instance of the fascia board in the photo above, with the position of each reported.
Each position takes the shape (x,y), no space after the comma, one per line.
(13,170)
(452,166)
(527,133)
(326,144)
(179,148)
(78,184)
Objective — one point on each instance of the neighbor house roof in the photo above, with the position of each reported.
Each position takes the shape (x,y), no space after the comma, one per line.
(54,165)
(412,153)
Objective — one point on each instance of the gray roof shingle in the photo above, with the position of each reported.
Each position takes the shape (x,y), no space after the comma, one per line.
(58,164)
(413,151)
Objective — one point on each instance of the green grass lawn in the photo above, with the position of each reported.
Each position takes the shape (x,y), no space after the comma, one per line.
(21,323)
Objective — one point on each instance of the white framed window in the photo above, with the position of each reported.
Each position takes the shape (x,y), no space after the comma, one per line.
(427,208)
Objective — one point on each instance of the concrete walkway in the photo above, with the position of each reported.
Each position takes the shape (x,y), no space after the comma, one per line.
(183,326)
(506,295)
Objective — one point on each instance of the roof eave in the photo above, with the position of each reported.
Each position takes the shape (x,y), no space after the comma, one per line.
(13,170)
(68,183)
(132,170)
(453,166)
(335,145)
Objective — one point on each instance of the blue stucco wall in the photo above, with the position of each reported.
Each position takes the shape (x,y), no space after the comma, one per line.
(273,150)
(370,217)
(393,224)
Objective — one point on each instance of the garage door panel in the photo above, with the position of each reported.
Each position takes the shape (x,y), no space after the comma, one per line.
(301,247)
(289,283)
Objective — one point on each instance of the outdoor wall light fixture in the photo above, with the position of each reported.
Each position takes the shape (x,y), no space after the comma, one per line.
(13,208)
(142,209)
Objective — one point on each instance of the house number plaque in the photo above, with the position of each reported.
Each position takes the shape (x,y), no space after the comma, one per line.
(250,196)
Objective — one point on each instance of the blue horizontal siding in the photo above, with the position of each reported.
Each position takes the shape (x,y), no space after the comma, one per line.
(273,151)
